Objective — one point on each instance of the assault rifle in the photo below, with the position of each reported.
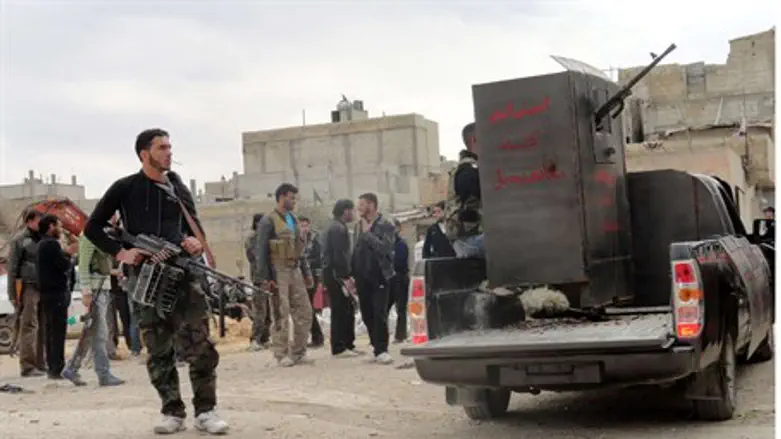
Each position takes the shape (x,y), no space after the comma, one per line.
(161,274)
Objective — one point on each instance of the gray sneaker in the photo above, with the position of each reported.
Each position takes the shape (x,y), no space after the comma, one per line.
(286,362)
(255,346)
(73,377)
(303,359)
(110,381)
(170,425)
(211,423)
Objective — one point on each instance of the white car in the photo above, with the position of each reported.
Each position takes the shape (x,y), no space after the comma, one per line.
(75,311)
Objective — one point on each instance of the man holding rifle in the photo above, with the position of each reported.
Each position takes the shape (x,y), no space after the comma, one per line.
(155,202)
(94,270)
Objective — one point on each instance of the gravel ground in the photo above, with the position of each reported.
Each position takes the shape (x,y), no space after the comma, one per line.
(350,399)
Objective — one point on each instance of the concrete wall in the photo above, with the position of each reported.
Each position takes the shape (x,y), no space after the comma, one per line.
(38,189)
(386,155)
(694,95)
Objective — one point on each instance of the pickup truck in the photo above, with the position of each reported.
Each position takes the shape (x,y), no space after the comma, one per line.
(703,302)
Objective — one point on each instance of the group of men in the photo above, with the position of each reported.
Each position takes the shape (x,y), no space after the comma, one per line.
(41,276)
(358,270)
(290,259)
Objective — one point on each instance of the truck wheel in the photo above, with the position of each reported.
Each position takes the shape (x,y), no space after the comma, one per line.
(6,334)
(765,350)
(721,409)
(493,406)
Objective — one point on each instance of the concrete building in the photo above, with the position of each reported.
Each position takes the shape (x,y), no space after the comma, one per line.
(36,188)
(396,157)
(715,119)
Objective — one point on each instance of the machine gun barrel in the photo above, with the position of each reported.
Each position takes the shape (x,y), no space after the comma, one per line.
(177,256)
(618,98)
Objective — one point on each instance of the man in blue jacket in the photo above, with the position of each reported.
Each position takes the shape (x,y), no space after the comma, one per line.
(399,284)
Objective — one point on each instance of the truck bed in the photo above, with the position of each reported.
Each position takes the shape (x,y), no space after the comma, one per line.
(559,337)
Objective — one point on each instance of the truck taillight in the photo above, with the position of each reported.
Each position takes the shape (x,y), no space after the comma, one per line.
(688,300)
(417,310)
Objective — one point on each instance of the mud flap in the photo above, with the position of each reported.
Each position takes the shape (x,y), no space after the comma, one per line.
(459,396)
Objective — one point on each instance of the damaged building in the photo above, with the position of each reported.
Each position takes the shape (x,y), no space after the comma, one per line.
(710,118)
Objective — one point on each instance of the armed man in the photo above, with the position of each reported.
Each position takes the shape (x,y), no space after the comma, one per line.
(281,267)
(155,202)
(94,271)
(313,255)
(24,293)
(261,320)
(463,216)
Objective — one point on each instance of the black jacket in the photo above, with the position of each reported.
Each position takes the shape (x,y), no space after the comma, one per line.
(466,184)
(22,261)
(436,244)
(336,251)
(373,251)
(144,208)
(54,269)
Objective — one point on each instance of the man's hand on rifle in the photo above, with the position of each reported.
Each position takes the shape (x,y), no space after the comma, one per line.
(133,256)
(192,246)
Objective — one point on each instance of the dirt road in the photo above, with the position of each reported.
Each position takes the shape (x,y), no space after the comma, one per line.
(349,399)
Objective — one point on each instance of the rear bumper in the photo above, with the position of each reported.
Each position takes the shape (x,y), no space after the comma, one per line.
(560,372)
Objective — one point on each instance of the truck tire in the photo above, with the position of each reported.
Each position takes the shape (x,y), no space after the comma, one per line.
(6,334)
(494,406)
(765,350)
(721,409)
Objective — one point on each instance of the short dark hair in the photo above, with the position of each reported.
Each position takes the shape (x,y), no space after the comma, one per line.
(46,223)
(30,215)
(341,206)
(440,204)
(304,218)
(769,209)
(370,197)
(144,139)
(396,222)
(255,220)
(468,133)
(284,189)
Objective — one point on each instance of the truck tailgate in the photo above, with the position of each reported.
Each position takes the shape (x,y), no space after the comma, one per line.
(645,332)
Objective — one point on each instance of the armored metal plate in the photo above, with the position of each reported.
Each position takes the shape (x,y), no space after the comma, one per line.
(668,206)
(529,176)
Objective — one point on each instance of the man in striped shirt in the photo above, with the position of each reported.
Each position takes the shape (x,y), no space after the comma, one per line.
(94,270)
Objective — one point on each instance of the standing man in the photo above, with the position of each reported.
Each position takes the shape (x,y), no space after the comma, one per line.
(313,254)
(54,266)
(436,244)
(24,293)
(155,202)
(261,321)
(399,285)
(281,268)
(94,269)
(463,219)
(372,263)
(336,277)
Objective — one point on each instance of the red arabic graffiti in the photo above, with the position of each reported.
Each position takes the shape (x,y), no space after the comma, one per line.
(530,141)
(605,178)
(610,226)
(509,111)
(531,177)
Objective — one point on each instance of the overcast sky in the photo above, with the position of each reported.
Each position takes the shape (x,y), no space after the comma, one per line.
(81,78)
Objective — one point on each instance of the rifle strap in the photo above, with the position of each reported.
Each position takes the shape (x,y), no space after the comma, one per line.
(169,189)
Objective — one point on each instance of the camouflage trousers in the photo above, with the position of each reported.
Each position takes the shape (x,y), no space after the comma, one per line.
(186,327)
(290,300)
